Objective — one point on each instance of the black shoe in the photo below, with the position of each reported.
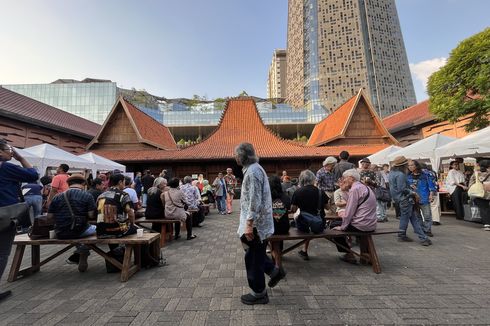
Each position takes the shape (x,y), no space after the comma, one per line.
(192,237)
(74,259)
(436,223)
(404,239)
(5,295)
(429,234)
(303,255)
(177,237)
(251,299)
(426,242)
(276,275)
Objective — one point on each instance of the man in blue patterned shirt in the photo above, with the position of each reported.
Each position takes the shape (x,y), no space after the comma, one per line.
(256,225)
(325,180)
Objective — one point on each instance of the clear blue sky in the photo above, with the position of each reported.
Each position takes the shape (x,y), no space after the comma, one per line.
(177,48)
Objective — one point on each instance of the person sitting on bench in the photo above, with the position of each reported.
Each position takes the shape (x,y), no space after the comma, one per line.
(155,203)
(175,201)
(360,212)
(72,210)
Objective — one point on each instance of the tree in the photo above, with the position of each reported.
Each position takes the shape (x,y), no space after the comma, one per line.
(462,86)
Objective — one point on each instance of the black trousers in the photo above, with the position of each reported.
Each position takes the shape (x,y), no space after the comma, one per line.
(257,263)
(457,199)
(484,206)
(188,226)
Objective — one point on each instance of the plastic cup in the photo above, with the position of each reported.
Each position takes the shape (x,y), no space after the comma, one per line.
(52,234)
(139,233)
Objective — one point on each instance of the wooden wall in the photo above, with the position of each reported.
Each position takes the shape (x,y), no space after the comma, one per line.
(118,133)
(22,134)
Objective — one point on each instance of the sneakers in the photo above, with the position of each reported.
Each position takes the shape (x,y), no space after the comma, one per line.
(5,295)
(276,275)
(303,254)
(426,243)
(436,223)
(404,238)
(383,220)
(429,234)
(486,227)
(251,299)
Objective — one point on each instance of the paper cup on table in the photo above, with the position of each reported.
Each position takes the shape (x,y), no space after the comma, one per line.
(52,234)
(139,233)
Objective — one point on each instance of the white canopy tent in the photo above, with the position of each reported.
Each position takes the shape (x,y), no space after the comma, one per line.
(475,144)
(424,149)
(52,156)
(101,163)
(381,157)
(31,158)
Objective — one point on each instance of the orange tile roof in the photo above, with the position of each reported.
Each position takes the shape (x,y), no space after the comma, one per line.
(149,129)
(409,117)
(333,125)
(239,123)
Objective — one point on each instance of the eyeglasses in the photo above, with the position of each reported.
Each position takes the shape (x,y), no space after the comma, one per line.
(8,148)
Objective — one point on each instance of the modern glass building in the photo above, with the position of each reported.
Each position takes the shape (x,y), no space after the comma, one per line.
(90,99)
(93,99)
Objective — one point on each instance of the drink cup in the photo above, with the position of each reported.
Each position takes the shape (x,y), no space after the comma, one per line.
(139,233)
(52,234)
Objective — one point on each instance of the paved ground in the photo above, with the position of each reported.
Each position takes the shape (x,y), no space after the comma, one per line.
(447,283)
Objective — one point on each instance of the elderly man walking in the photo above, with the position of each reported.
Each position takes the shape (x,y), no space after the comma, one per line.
(256,225)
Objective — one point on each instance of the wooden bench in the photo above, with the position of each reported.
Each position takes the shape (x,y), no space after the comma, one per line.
(367,252)
(166,230)
(132,244)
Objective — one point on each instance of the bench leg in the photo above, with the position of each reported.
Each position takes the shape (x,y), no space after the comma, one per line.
(163,235)
(373,255)
(16,262)
(127,270)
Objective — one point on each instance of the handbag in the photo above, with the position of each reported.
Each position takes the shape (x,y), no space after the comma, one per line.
(476,190)
(41,227)
(16,213)
(382,194)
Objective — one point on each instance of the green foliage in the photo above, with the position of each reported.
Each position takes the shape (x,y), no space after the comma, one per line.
(181,142)
(462,86)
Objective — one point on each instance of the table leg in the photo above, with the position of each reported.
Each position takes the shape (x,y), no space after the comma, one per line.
(127,270)
(35,257)
(16,262)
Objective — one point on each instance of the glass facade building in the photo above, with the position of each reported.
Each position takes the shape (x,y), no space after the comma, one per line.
(92,100)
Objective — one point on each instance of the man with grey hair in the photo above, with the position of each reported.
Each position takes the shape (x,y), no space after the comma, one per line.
(360,211)
(325,179)
(193,196)
(256,225)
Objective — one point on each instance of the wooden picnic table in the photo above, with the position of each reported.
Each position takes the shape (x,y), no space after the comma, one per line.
(132,245)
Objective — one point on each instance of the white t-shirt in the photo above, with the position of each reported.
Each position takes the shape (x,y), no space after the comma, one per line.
(132,194)
(453,178)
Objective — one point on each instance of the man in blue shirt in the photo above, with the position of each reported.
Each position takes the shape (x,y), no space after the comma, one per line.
(403,195)
(11,176)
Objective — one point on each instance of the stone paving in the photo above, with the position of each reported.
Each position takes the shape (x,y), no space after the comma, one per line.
(447,283)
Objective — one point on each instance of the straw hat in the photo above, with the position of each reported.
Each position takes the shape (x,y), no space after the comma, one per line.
(76,177)
(400,160)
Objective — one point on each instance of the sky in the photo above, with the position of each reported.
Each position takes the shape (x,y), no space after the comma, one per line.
(213,48)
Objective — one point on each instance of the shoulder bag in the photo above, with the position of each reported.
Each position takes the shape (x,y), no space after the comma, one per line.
(476,190)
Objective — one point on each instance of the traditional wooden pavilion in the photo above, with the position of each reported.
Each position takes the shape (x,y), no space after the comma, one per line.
(126,140)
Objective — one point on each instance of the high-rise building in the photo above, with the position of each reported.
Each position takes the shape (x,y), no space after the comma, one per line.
(336,47)
(276,81)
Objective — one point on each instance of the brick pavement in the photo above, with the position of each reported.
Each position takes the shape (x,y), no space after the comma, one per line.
(447,283)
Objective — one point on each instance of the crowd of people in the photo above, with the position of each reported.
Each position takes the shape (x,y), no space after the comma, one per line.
(356,198)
